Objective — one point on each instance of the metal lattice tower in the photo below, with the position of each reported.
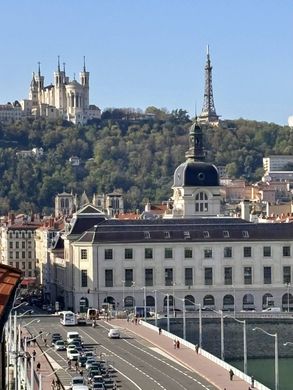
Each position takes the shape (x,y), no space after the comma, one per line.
(208,114)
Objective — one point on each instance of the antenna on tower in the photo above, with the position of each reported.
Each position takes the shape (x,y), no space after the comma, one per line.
(39,68)
(58,63)
(84,69)
(64,66)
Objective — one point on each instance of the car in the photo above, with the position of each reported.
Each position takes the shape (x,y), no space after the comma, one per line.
(77,380)
(98,386)
(272,309)
(73,354)
(89,362)
(82,360)
(76,343)
(92,374)
(114,333)
(80,387)
(59,345)
(108,383)
(89,354)
(55,337)
(71,336)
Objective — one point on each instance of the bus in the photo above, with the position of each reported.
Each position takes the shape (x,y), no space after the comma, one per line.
(68,318)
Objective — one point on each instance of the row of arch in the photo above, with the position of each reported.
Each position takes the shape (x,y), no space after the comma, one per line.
(248,301)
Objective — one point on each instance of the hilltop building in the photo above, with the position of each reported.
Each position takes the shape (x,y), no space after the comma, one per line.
(65,98)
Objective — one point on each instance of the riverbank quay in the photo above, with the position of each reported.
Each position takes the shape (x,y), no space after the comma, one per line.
(203,363)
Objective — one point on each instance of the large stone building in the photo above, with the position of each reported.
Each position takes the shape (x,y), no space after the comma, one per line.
(192,254)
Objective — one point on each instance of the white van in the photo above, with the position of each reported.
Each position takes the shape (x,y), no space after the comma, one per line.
(71,336)
(272,309)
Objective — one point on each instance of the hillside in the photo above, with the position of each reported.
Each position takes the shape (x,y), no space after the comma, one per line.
(137,156)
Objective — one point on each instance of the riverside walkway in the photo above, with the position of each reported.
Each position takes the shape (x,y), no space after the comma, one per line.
(212,372)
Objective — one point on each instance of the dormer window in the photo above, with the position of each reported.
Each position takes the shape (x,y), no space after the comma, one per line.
(245,234)
(201,202)
(167,234)
(147,235)
(206,234)
(226,234)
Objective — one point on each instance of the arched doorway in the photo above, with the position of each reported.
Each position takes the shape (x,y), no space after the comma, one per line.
(287,302)
(110,301)
(248,302)
(209,301)
(83,304)
(267,300)
(228,302)
(189,301)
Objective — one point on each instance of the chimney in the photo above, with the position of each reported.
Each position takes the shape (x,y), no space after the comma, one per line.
(245,210)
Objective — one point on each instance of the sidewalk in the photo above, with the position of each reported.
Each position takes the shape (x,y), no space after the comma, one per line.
(209,370)
(46,371)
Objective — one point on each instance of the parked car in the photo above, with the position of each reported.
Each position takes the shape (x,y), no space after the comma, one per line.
(82,360)
(72,354)
(55,337)
(77,380)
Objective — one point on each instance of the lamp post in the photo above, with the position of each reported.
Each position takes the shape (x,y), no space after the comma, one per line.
(244,341)
(168,313)
(184,318)
(234,300)
(40,375)
(156,309)
(174,310)
(144,302)
(123,287)
(288,297)
(222,332)
(133,286)
(275,335)
(25,346)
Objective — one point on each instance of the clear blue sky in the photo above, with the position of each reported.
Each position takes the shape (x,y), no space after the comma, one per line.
(152,52)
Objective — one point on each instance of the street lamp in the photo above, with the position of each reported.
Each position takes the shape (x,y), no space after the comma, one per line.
(174,310)
(52,373)
(133,285)
(156,309)
(40,375)
(144,302)
(275,335)
(234,300)
(244,341)
(288,296)
(168,313)
(123,287)
(222,332)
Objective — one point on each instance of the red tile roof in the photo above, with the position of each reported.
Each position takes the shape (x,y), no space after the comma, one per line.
(9,279)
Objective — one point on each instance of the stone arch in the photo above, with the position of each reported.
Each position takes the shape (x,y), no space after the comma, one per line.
(248,302)
(228,300)
(189,301)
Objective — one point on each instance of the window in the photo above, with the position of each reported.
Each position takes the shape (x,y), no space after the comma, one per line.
(108,254)
(247,275)
(208,253)
(201,202)
(168,253)
(108,277)
(23,255)
(128,253)
(208,276)
(147,235)
(29,254)
(167,234)
(267,251)
(245,234)
(286,251)
(267,275)
(17,245)
(128,272)
(226,234)
(83,254)
(228,276)
(188,253)
(16,235)
(17,255)
(286,274)
(186,235)
(188,276)
(23,244)
(22,234)
(10,255)
(83,278)
(11,245)
(247,251)
(148,253)
(148,277)
(228,251)
(206,234)
(23,265)
(29,265)
(29,235)
(168,276)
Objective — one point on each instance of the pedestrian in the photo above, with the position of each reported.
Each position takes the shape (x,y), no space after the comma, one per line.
(38,366)
(34,355)
(28,342)
(178,344)
(160,330)
(69,363)
(45,342)
(252,381)
(175,344)
(231,373)
(58,384)
(81,373)
(53,384)
(76,366)
(196,348)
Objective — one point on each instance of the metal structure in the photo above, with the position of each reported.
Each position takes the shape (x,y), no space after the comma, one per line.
(208,114)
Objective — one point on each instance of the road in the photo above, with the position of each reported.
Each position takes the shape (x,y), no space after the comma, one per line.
(138,365)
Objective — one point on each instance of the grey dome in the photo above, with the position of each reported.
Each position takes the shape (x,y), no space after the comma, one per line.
(196,174)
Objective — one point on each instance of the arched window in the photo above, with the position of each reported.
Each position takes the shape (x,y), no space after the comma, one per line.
(228,300)
(170,301)
(287,302)
(267,300)
(201,202)
(150,301)
(129,301)
(189,302)
(209,300)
